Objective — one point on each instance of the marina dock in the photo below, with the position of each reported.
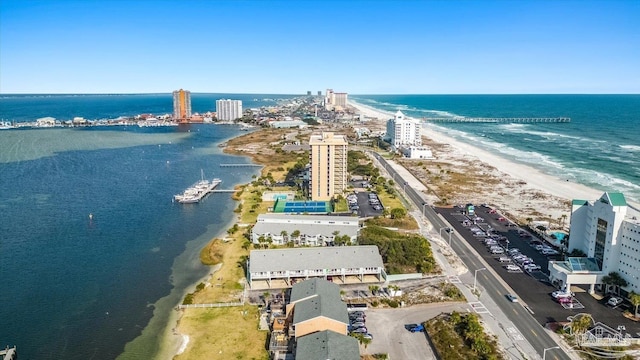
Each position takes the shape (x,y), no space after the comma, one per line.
(9,353)
(496,120)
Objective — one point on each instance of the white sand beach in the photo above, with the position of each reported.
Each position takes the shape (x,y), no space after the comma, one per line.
(538,192)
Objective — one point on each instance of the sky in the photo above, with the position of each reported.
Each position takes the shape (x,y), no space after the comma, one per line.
(289,47)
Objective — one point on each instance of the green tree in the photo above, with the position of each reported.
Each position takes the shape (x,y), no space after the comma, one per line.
(635,301)
(581,323)
(284,235)
(398,213)
(614,279)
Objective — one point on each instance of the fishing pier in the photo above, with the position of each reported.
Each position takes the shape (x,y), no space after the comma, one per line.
(460,119)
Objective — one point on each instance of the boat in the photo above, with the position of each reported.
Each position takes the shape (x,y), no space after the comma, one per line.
(197,191)
(4,125)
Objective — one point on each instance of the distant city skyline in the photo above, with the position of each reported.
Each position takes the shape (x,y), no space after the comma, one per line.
(283,47)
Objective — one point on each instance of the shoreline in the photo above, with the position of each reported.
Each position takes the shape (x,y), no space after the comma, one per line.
(171,342)
(528,176)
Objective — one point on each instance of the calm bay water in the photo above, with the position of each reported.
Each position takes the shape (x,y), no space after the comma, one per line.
(81,288)
(600,147)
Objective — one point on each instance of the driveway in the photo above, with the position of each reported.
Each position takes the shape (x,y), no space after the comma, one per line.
(390,337)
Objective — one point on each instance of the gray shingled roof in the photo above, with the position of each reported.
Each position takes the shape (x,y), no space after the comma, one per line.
(318,297)
(327,345)
(331,257)
(315,286)
(321,306)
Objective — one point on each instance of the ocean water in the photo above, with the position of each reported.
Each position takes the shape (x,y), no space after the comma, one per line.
(599,148)
(75,287)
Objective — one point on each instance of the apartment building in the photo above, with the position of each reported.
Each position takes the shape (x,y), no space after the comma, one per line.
(403,132)
(228,110)
(328,170)
(608,231)
(181,104)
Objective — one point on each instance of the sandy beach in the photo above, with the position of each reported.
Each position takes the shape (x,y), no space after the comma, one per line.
(520,190)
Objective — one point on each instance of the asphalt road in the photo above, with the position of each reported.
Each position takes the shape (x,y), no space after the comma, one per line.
(520,317)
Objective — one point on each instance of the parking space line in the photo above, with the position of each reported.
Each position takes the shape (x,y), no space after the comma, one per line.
(454,279)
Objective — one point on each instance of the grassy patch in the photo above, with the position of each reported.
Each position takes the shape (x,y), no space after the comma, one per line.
(406,223)
(461,336)
(340,205)
(223,333)
(401,253)
(212,253)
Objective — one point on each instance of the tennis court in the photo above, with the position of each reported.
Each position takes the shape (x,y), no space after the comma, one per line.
(284,206)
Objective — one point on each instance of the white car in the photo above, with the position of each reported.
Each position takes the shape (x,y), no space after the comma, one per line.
(558,294)
(614,301)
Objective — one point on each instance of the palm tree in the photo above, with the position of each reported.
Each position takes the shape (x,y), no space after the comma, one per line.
(581,323)
(635,301)
(284,234)
(614,279)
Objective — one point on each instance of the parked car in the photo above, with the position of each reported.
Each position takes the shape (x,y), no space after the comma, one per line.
(414,327)
(558,294)
(367,336)
(356,320)
(362,330)
(614,301)
(357,325)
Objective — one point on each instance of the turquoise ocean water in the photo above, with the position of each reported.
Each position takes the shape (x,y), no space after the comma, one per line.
(599,148)
(80,288)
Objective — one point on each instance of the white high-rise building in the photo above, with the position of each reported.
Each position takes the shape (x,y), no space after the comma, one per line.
(607,230)
(403,132)
(228,110)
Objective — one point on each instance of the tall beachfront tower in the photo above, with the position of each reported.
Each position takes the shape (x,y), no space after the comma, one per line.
(181,104)
(328,171)
(403,132)
(228,110)
(607,230)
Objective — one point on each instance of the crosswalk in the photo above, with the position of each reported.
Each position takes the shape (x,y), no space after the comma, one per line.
(453,279)
(515,334)
(479,307)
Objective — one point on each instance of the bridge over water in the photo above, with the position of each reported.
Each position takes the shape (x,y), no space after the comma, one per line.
(461,119)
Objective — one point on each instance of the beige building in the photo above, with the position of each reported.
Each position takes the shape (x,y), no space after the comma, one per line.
(328,172)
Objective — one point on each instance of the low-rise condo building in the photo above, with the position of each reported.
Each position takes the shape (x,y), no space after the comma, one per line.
(608,232)
(304,230)
(281,268)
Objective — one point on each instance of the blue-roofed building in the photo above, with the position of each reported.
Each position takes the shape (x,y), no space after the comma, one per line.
(607,230)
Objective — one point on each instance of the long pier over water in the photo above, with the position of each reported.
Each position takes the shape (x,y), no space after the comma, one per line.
(496,120)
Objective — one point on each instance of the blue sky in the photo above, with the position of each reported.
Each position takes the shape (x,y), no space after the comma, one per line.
(288,47)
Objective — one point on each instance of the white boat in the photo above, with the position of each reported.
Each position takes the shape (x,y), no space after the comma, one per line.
(4,125)
(197,191)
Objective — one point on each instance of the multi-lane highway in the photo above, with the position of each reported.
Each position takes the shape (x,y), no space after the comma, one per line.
(517,314)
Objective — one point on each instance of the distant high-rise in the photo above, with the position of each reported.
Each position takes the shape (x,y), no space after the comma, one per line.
(181,104)
(328,171)
(335,100)
(403,132)
(228,110)
(320,93)
(308,92)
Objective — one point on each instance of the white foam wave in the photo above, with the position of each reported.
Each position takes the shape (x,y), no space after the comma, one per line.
(632,148)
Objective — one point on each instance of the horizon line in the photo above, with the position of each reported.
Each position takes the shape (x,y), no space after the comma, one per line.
(303,94)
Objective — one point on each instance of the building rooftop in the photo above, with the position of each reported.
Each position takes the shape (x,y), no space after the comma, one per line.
(332,257)
(327,345)
(327,306)
(311,287)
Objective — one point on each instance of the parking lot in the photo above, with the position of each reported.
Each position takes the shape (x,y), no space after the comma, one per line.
(531,286)
(387,326)
(365,204)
